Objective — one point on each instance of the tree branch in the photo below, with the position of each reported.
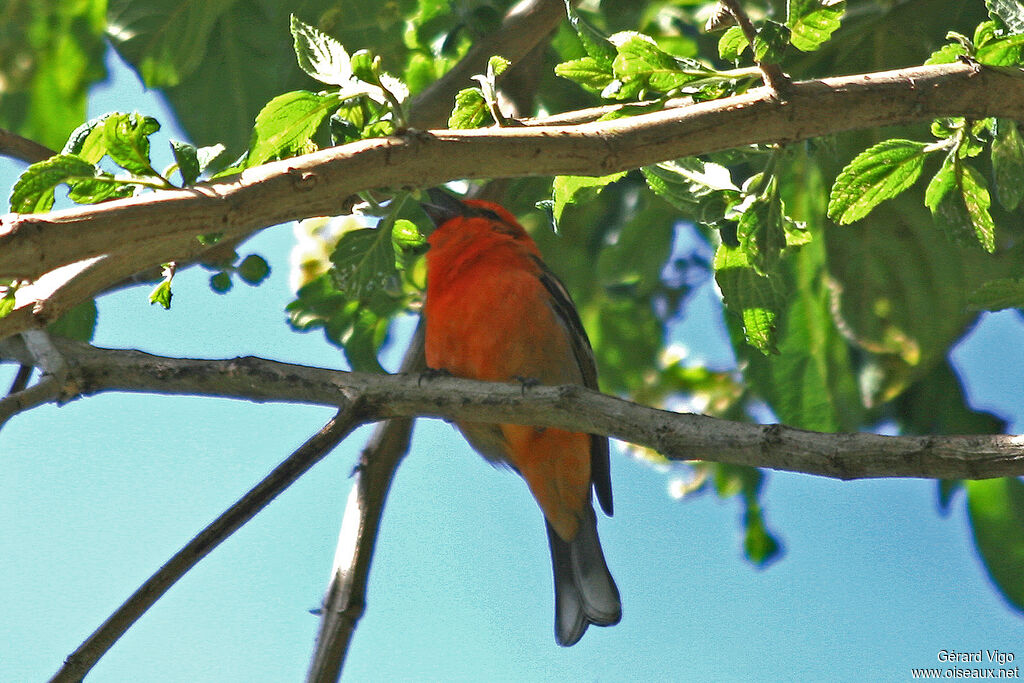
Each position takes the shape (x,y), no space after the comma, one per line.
(17,147)
(676,436)
(345,600)
(319,445)
(155,227)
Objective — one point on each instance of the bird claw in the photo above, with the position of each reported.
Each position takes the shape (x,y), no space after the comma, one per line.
(432,373)
(526,382)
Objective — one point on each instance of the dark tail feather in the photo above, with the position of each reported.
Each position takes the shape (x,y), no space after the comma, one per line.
(585,592)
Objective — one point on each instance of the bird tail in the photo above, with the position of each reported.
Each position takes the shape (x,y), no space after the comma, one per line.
(585,592)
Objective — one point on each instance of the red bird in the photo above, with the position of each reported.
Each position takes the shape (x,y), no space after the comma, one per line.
(495,312)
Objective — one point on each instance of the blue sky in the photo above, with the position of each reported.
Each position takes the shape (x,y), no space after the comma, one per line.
(100,492)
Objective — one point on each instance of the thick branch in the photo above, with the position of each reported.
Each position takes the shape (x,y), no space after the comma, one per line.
(315,184)
(676,436)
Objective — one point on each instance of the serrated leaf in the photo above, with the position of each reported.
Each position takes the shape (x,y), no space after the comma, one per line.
(586,72)
(702,189)
(997,295)
(940,185)
(88,141)
(1009,12)
(996,509)
(812,22)
(187,157)
(640,60)
(761,231)
(320,55)
(33,192)
(126,137)
(1004,50)
(470,110)
(497,65)
(876,174)
(363,262)
(595,43)
(285,126)
(1008,163)
(732,44)
(750,295)
(947,54)
(567,190)
(977,201)
(770,42)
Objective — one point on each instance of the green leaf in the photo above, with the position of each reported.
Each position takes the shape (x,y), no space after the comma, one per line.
(750,295)
(586,72)
(812,22)
(320,55)
(770,42)
(1008,163)
(99,189)
(208,157)
(996,508)
(408,242)
(732,44)
(567,190)
(470,110)
(187,157)
(703,190)
(253,269)
(1003,50)
(7,303)
(761,231)
(640,60)
(286,125)
(959,200)
(996,295)
(88,140)
(876,174)
(947,54)
(976,198)
(33,193)
(221,282)
(161,294)
(1009,12)
(78,323)
(595,43)
(364,262)
(126,137)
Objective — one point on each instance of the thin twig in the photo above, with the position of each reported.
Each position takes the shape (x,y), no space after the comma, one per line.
(773,76)
(345,600)
(17,147)
(46,390)
(21,379)
(78,664)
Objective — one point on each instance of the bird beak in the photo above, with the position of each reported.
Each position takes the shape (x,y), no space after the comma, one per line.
(442,207)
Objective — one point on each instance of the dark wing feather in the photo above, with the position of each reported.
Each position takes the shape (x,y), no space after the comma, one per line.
(600,469)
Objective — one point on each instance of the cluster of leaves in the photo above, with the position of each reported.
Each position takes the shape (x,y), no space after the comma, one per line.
(958,194)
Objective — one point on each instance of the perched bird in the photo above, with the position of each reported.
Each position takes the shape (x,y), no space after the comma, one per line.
(494,311)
